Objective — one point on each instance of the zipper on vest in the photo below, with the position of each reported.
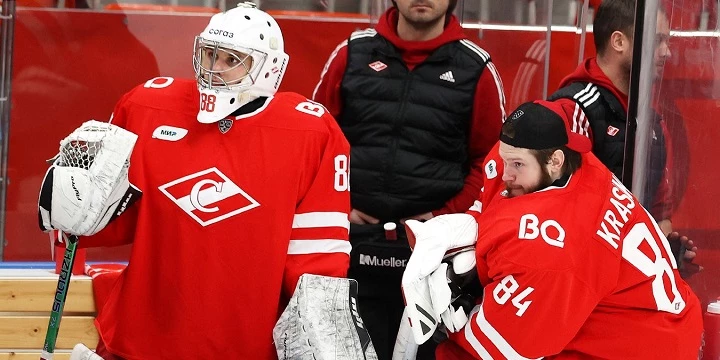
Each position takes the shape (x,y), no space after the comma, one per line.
(396,128)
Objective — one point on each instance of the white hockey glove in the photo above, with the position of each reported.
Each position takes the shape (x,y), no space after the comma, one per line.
(426,291)
(87,185)
(322,322)
(454,316)
(82,352)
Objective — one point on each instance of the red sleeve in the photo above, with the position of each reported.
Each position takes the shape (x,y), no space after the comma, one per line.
(487,119)
(121,230)
(327,91)
(527,301)
(319,238)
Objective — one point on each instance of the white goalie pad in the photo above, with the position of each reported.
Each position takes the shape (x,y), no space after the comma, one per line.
(322,322)
(87,186)
(82,352)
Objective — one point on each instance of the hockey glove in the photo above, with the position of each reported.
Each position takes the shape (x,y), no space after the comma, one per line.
(428,297)
(87,186)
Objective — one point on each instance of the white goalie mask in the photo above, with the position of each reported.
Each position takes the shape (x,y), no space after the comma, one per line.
(238,57)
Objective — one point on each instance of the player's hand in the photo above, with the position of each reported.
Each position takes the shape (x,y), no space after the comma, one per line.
(688,250)
(419,217)
(361,218)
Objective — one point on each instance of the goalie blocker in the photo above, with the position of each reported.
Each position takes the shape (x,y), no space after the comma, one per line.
(87,185)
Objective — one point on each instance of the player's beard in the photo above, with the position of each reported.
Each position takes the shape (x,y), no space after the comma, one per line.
(420,22)
(545,181)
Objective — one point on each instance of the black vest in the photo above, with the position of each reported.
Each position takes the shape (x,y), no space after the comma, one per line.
(607,119)
(408,130)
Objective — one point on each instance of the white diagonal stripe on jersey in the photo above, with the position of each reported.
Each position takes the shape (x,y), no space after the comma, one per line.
(587,125)
(320,246)
(589,94)
(583,91)
(500,88)
(476,49)
(575,117)
(327,66)
(211,195)
(494,336)
(473,341)
(362,33)
(583,122)
(587,103)
(321,219)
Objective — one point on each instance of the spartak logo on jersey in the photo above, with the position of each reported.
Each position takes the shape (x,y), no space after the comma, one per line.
(208,196)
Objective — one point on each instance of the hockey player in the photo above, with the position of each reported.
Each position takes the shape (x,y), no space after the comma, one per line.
(573,266)
(244,190)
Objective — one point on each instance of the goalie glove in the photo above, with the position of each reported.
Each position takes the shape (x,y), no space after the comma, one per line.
(87,185)
(438,298)
(428,297)
(436,239)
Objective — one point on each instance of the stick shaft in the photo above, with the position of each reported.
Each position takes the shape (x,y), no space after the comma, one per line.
(60,296)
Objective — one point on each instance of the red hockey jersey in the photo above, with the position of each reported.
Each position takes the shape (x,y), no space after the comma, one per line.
(232,214)
(575,272)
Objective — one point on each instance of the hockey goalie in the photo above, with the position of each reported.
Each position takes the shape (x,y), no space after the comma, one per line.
(245,189)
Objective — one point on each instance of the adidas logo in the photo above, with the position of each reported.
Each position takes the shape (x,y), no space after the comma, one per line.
(447,76)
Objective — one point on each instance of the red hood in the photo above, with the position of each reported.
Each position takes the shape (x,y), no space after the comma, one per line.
(589,71)
(387,28)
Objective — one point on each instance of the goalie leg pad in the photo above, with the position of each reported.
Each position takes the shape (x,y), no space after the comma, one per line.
(322,322)
(82,352)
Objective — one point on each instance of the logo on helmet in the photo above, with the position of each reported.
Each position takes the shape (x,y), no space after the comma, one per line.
(220,32)
(282,68)
(517,114)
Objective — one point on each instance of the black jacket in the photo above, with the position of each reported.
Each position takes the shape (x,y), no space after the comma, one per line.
(407,130)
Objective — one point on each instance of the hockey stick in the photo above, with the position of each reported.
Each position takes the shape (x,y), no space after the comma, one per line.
(405,346)
(60,295)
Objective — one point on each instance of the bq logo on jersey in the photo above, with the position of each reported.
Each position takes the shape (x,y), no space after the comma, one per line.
(208,196)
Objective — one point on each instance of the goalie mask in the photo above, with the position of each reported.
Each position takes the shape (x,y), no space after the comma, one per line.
(238,57)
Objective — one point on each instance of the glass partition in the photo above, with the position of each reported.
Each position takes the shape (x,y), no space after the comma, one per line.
(677,177)
(516,34)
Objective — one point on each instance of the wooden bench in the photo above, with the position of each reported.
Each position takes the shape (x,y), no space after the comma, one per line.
(26,297)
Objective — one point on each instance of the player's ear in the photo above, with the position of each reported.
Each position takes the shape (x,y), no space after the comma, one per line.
(557,159)
(620,42)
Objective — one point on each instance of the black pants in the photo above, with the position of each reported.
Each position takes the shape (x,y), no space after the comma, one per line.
(377,264)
